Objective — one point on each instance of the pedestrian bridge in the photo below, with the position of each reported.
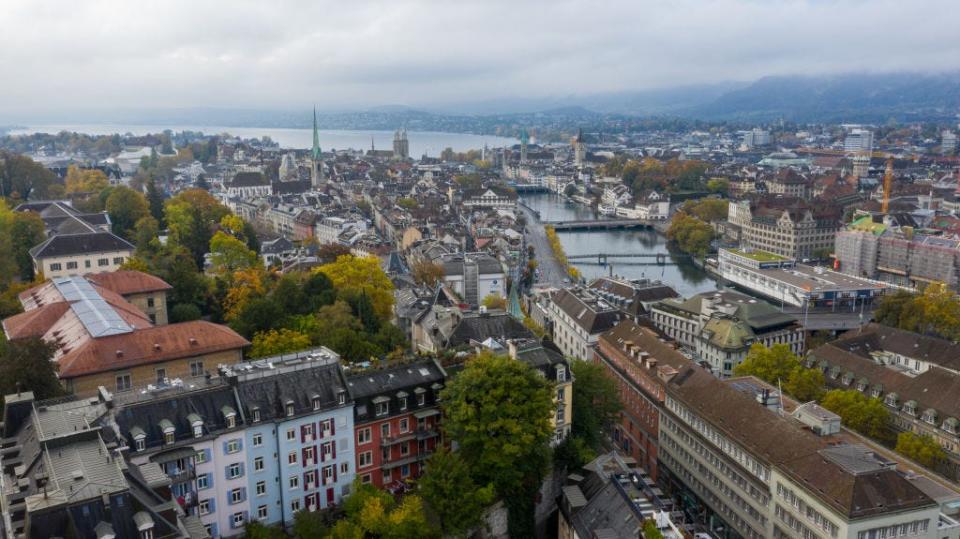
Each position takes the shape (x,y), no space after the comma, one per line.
(602,259)
(598,224)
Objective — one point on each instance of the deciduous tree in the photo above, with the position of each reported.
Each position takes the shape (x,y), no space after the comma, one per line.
(921,448)
(26,365)
(126,207)
(451,495)
(596,403)
(864,414)
(278,341)
(229,254)
(85,180)
(427,273)
(26,232)
(351,274)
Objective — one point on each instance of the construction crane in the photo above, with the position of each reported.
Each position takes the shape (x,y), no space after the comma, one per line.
(887,186)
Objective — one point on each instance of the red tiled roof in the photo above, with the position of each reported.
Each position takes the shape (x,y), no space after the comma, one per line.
(35,322)
(150,345)
(125,282)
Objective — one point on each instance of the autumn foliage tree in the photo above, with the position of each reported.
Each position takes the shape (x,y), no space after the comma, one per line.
(922,448)
(278,341)
(351,274)
(452,497)
(690,234)
(777,365)
(863,414)
(935,311)
(427,273)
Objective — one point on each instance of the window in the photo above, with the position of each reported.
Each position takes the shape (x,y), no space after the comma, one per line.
(261,488)
(141,443)
(308,431)
(149,302)
(257,440)
(316,403)
(262,512)
(341,397)
(258,464)
(289,409)
(196,368)
(404,425)
(344,467)
(403,403)
(256,415)
(197,430)
(237,520)
(421,399)
(292,457)
(363,436)
(231,421)
(103,262)
(236,495)
(86,263)
(308,455)
(385,430)
(404,449)
(365,479)
(561,394)
(326,426)
(561,373)
(295,505)
(204,507)
(291,434)
(234,470)
(71,265)
(201,456)
(233,446)
(118,260)
(168,437)
(124,383)
(55,266)
(203,482)
(383,408)
(294,481)
(366,459)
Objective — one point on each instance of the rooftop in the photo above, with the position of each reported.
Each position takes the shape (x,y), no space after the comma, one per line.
(758,255)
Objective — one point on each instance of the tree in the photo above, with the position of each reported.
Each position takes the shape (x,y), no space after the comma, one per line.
(707,209)
(494,301)
(351,274)
(371,512)
(805,384)
(596,403)
(85,180)
(22,178)
(452,497)
(229,254)
(690,234)
(184,312)
(330,252)
(191,217)
(572,453)
(126,207)
(336,327)
(499,411)
(278,341)
(721,186)
(772,365)
(146,237)
(155,201)
(256,530)
(864,414)
(427,273)
(921,448)
(408,203)
(650,530)
(27,365)
(27,231)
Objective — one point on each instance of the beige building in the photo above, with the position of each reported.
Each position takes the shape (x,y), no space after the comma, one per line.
(554,367)
(791,230)
(77,254)
(105,340)
(762,473)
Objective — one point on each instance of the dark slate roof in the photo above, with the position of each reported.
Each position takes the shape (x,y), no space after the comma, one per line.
(249,179)
(426,377)
(481,326)
(593,316)
(277,246)
(147,415)
(877,337)
(270,394)
(543,359)
(81,244)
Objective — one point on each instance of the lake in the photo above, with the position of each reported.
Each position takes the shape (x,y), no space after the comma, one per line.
(421,142)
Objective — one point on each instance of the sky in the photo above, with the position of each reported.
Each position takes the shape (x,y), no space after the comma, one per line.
(341,55)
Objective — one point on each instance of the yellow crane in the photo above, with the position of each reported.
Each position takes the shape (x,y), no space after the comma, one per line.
(887,186)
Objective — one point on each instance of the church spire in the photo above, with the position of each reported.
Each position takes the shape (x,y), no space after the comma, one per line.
(316,137)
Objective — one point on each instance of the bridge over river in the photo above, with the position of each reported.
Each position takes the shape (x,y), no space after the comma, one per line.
(624,259)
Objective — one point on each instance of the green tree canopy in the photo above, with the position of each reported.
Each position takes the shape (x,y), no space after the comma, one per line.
(229,254)
(26,365)
(278,341)
(451,495)
(596,403)
(126,207)
(777,365)
(351,274)
(921,448)
(690,234)
(864,414)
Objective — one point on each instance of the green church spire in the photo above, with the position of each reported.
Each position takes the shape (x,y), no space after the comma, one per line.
(316,137)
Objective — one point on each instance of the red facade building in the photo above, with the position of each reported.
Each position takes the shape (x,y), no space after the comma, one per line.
(641,364)
(396,421)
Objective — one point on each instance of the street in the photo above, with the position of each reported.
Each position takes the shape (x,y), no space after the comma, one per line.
(551,272)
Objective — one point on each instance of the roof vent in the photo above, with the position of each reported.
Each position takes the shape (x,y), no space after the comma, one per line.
(193,341)
(156,346)
(119,353)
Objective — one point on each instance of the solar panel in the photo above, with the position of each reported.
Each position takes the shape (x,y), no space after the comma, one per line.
(98,317)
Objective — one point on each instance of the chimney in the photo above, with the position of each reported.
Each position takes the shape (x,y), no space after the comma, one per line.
(512,348)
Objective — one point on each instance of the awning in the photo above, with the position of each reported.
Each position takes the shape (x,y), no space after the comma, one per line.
(420,414)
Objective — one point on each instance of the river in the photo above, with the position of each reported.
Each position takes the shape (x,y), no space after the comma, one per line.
(686,278)
(421,142)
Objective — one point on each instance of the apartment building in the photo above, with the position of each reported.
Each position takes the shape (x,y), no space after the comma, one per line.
(916,377)
(578,317)
(474,276)
(104,340)
(632,297)
(720,327)
(786,227)
(640,363)
(62,477)
(257,442)
(554,367)
(758,473)
(397,421)
(64,255)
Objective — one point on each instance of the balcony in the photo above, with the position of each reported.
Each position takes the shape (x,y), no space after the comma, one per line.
(400,438)
(424,434)
(181,476)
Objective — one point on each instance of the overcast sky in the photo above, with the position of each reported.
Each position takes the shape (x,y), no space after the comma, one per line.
(352,53)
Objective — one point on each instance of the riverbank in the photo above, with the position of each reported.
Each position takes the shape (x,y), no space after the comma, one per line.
(559,254)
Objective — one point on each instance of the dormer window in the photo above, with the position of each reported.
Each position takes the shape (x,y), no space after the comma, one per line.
(229,416)
(256,415)
(930,416)
(196,423)
(382,405)
(341,397)
(402,400)
(166,427)
(140,443)
(561,373)
(289,408)
(876,391)
(891,399)
(316,402)
(910,407)
(950,425)
(862,385)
